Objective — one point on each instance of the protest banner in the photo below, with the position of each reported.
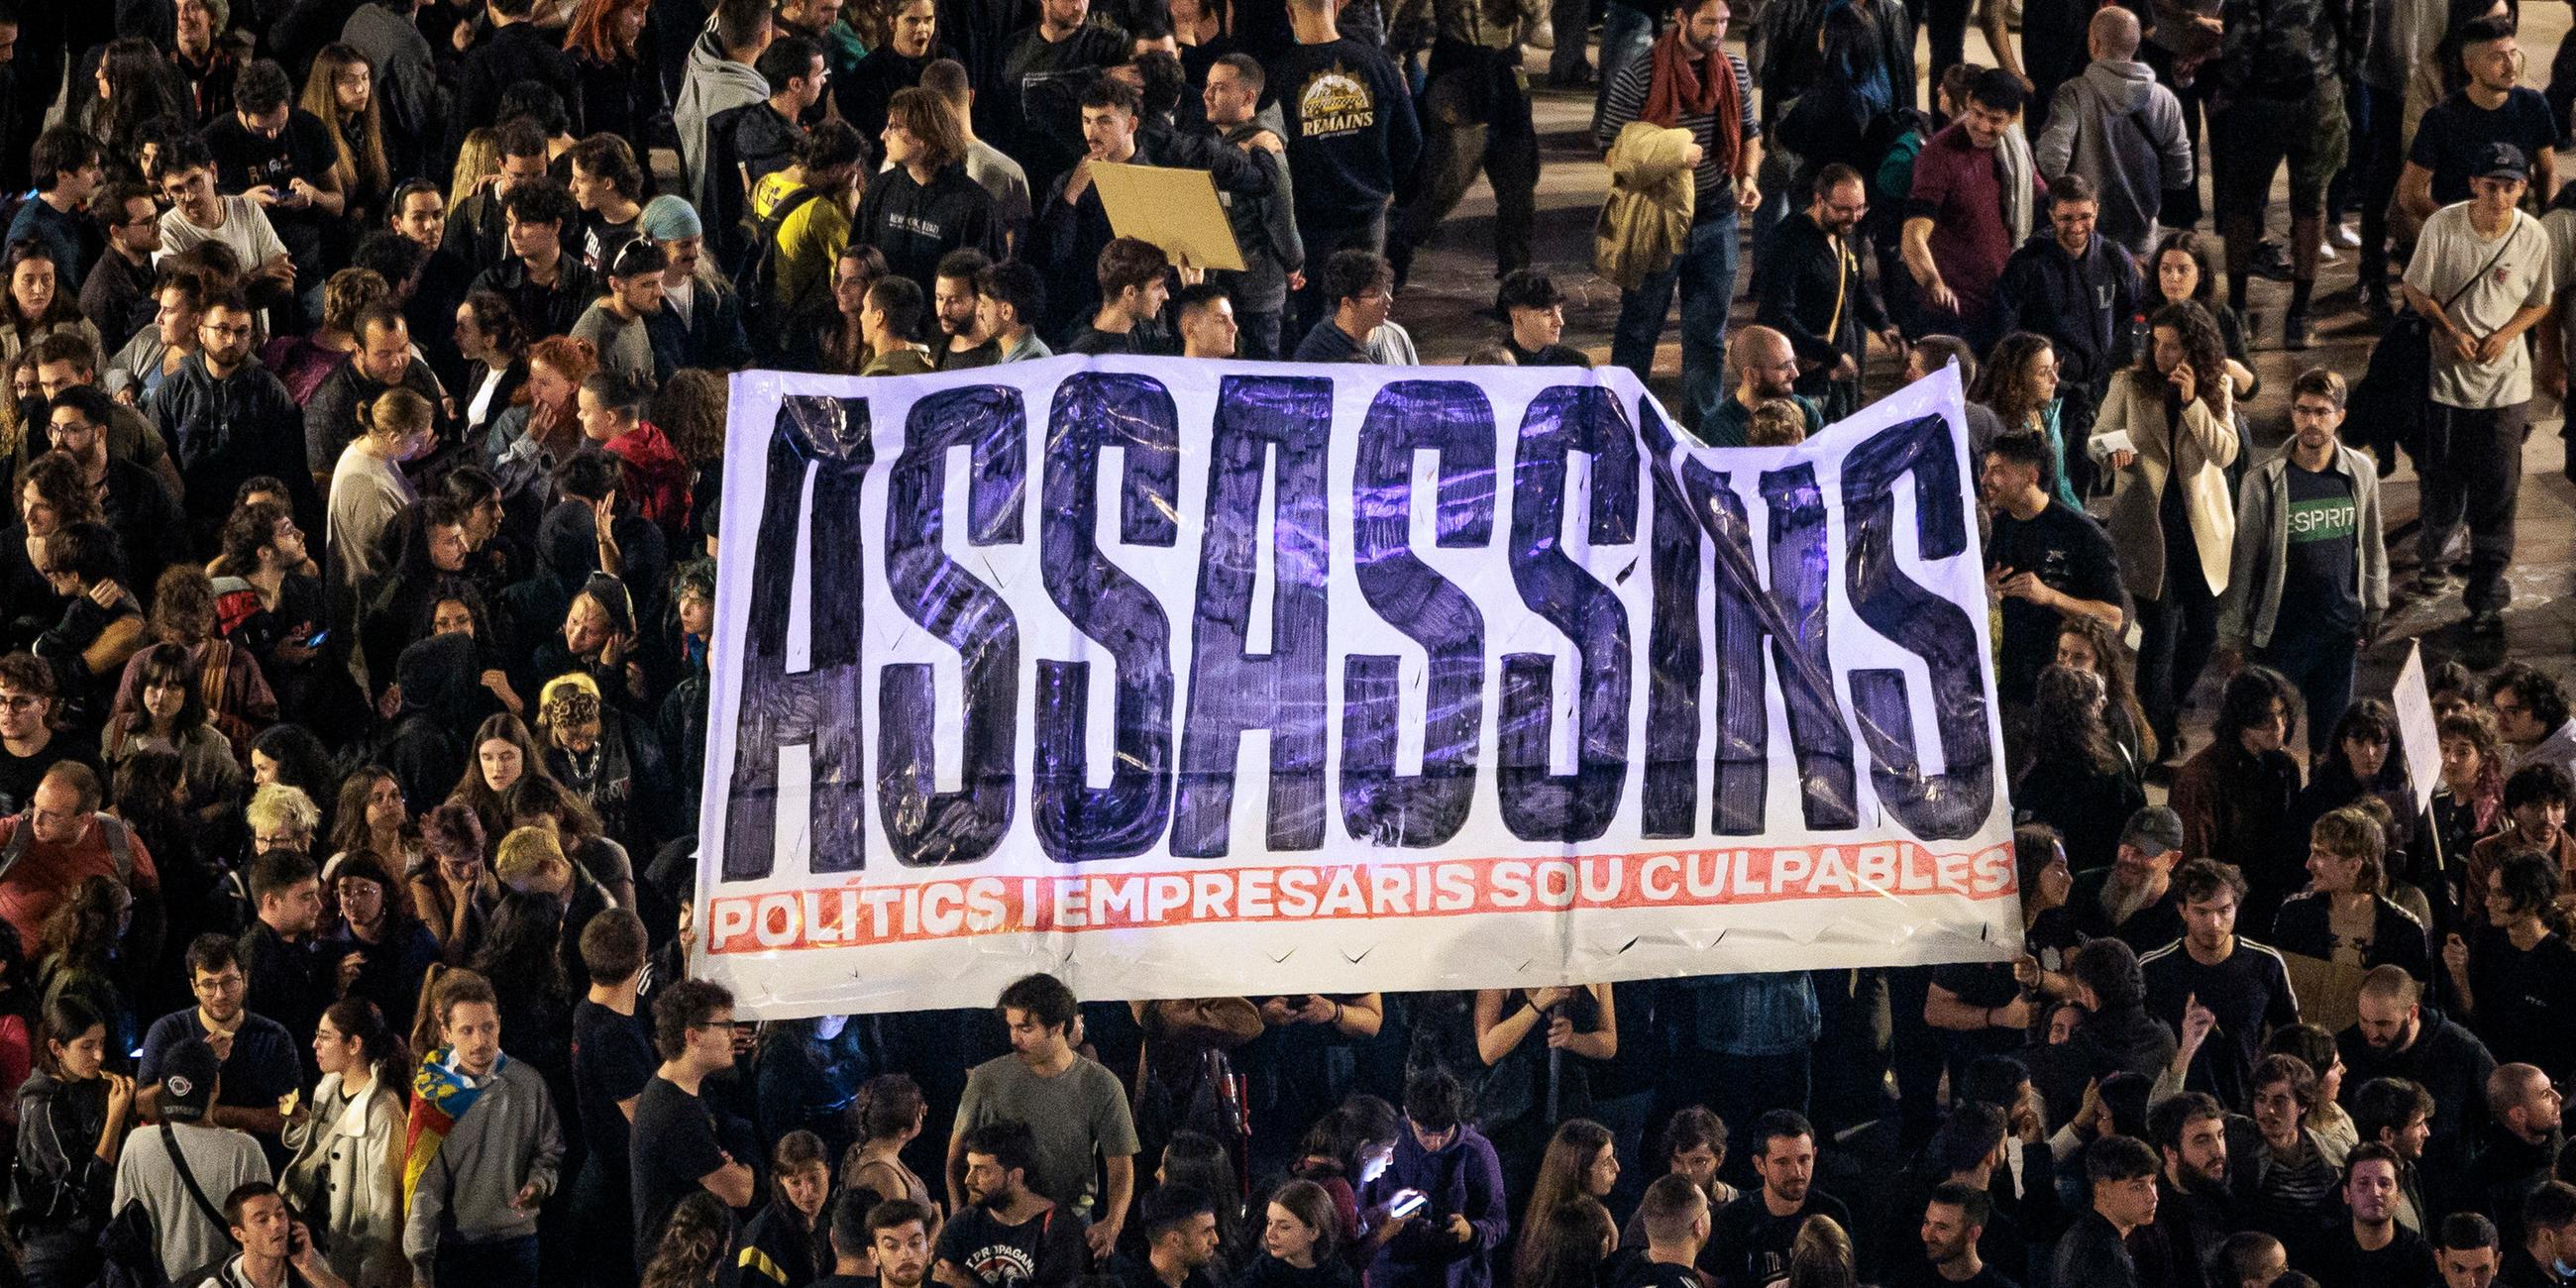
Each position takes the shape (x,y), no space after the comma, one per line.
(1184,678)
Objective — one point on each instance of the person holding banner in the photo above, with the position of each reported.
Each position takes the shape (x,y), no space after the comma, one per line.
(2042,560)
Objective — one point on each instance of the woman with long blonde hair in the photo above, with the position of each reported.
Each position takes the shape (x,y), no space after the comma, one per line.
(341,91)
(478,159)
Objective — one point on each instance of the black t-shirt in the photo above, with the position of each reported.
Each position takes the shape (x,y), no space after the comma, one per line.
(20,774)
(1753,1245)
(1920,1273)
(2455,130)
(1639,1272)
(2407,1261)
(675,1147)
(2317,578)
(1046,1250)
(601,239)
(612,1059)
(2070,554)
(245,159)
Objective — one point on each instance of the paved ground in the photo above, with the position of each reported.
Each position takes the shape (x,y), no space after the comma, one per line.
(1444,305)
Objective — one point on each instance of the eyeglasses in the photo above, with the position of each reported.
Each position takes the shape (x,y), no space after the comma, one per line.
(227,332)
(19,702)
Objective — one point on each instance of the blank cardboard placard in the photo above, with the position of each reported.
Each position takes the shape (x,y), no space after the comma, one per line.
(2416,728)
(1176,210)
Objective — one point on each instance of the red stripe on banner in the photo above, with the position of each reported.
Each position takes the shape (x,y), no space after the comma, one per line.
(855,914)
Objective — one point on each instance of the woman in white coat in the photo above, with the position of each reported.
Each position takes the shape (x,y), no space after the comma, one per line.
(2167,432)
(346,1177)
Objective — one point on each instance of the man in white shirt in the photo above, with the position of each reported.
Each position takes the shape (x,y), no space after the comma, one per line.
(190,1231)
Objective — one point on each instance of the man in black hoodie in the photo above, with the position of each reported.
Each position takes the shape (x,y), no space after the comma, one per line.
(2397,1036)
(2079,289)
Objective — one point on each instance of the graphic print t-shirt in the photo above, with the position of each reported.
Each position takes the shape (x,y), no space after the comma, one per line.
(1045,1251)
(2317,577)
(1350,129)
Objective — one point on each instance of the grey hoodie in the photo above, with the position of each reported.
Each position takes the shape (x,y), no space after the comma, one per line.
(510,1138)
(2117,127)
(713,84)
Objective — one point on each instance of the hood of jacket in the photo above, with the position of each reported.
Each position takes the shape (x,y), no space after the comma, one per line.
(437,676)
(713,71)
(2125,85)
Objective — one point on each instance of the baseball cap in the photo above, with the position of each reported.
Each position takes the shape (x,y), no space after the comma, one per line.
(188,1075)
(2153,830)
(2502,161)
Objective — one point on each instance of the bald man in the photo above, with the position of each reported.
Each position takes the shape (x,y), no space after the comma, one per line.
(2117,127)
(1765,366)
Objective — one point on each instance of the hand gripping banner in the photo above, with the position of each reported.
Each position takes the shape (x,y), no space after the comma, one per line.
(1184,678)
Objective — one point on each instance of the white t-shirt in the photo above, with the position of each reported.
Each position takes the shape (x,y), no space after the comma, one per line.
(246,229)
(2523,275)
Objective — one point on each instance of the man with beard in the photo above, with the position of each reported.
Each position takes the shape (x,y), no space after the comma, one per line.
(2093,1252)
(1011,1234)
(1753,1234)
(229,419)
(2194,1208)
(898,1231)
(1952,1223)
(2134,899)
(131,500)
(1808,284)
(1074,1110)
(2523,1111)
(2372,1250)
(1765,367)
(953,297)
(382,361)
(2212,977)
(2397,1036)
(1180,1241)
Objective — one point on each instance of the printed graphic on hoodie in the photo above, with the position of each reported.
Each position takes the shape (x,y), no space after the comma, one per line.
(1334,102)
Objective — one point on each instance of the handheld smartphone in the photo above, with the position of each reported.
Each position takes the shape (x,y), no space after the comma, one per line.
(317,639)
(1408,1202)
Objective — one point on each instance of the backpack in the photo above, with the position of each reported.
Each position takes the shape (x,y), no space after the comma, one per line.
(131,1251)
(758,280)
(120,845)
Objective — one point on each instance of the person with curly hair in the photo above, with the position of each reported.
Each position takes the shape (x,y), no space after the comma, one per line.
(2078,781)
(2167,434)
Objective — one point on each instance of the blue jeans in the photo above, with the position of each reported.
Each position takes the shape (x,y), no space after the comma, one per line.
(502,1263)
(1706,274)
(1626,35)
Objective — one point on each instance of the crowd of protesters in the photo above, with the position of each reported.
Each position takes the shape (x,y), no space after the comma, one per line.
(365,406)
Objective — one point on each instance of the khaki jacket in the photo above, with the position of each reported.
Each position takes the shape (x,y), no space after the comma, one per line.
(1647,219)
(2197,452)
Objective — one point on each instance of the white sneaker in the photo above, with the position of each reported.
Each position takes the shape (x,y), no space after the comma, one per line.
(2343,234)
(2326,252)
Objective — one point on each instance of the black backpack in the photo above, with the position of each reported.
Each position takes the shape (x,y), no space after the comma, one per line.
(758,278)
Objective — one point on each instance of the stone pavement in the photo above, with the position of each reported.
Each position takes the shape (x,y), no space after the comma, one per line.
(1446,301)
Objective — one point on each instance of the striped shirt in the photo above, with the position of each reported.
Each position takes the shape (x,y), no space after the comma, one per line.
(1627,100)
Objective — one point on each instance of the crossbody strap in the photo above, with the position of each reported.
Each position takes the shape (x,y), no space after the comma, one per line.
(179,1159)
(2509,239)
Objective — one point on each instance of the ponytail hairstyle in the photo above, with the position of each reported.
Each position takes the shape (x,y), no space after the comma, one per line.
(387,1054)
(67,1017)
